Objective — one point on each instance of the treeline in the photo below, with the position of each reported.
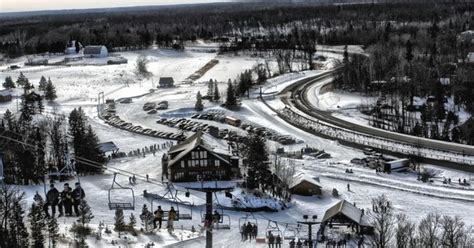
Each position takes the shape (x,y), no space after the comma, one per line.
(34,144)
(258,24)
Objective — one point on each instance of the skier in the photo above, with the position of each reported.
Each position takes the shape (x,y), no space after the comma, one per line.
(66,201)
(348,187)
(171,218)
(158,217)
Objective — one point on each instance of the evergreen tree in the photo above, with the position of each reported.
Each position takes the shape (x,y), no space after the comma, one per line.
(245,82)
(53,230)
(85,213)
(50,91)
(119,220)
(37,219)
(9,84)
(216,97)
(409,52)
(22,81)
(26,113)
(18,231)
(8,117)
(43,83)
(231,100)
(133,221)
(210,89)
(256,156)
(147,218)
(199,106)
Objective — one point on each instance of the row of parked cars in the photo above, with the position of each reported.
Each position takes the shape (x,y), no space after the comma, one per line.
(249,127)
(152,107)
(110,117)
(190,125)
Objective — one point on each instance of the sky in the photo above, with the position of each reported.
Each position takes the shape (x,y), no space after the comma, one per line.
(33,5)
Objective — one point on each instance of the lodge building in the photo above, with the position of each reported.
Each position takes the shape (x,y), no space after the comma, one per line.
(200,157)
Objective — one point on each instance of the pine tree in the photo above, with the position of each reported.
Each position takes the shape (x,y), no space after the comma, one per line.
(43,83)
(9,84)
(409,52)
(8,117)
(147,217)
(199,106)
(37,219)
(85,213)
(18,231)
(119,220)
(256,156)
(53,230)
(22,80)
(216,97)
(231,100)
(40,106)
(26,113)
(133,221)
(50,91)
(210,89)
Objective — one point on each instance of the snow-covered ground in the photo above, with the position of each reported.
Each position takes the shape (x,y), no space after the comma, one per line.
(78,86)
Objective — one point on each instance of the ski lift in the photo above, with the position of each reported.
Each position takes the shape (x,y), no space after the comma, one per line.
(272,227)
(224,219)
(180,215)
(248,218)
(291,232)
(118,204)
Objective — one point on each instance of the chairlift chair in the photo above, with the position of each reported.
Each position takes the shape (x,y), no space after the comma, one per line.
(120,204)
(179,214)
(272,226)
(248,218)
(224,220)
(290,232)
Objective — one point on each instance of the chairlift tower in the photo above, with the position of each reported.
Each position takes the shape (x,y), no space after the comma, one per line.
(209,192)
(310,224)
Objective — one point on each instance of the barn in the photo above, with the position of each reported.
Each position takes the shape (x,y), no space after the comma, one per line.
(95,52)
(5,95)
(306,185)
(200,157)
(166,82)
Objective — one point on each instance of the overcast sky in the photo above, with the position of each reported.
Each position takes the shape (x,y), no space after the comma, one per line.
(31,5)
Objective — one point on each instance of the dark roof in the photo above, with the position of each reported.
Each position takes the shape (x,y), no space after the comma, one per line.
(190,144)
(108,147)
(166,80)
(92,49)
(345,208)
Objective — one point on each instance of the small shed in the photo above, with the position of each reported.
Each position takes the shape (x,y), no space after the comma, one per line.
(108,147)
(166,82)
(345,213)
(306,185)
(5,95)
(96,52)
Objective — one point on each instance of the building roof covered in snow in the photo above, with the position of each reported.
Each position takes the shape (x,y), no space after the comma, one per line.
(5,92)
(304,184)
(345,208)
(302,177)
(108,147)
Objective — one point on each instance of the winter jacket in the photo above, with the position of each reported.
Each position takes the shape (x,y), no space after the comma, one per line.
(52,196)
(66,197)
(172,215)
(158,213)
(78,194)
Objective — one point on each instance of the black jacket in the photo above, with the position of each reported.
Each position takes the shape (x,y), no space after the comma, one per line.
(52,195)
(78,194)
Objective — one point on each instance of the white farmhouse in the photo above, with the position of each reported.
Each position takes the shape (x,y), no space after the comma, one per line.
(96,52)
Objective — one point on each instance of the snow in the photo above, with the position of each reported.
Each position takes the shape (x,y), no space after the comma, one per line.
(78,86)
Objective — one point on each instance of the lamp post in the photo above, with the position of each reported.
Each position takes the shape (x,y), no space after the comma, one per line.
(310,224)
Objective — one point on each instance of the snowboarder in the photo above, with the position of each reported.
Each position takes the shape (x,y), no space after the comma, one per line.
(52,199)
(158,217)
(216,217)
(171,218)
(78,194)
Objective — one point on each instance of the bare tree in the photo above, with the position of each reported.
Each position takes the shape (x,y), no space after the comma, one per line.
(383,221)
(405,231)
(429,230)
(141,66)
(454,232)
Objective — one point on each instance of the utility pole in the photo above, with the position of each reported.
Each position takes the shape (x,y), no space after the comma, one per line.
(209,191)
(310,225)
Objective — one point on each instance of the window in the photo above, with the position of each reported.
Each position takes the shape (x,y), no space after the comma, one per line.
(204,162)
(182,164)
(217,163)
(193,155)
(203,154)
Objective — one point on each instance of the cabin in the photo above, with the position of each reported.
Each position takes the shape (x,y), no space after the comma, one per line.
(5,95)
(344,213)
(200,157)
(166,82)
(96,52)
(305,185)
